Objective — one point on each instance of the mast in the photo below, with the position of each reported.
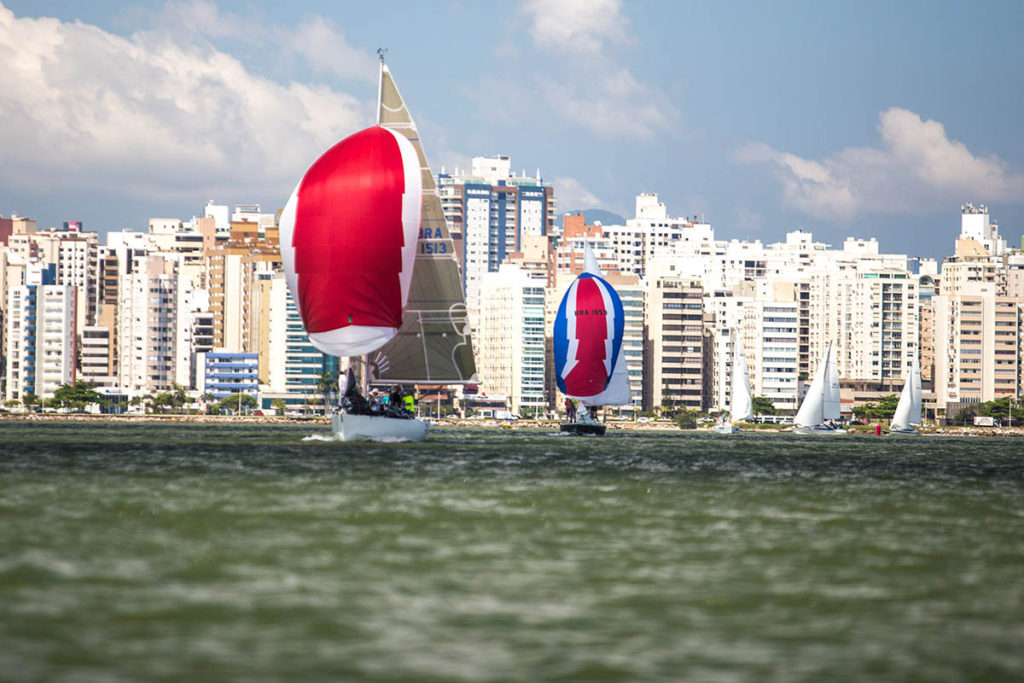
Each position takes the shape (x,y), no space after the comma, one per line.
(380,80)
(364,360)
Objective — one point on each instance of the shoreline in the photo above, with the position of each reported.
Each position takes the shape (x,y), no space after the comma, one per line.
(444,424)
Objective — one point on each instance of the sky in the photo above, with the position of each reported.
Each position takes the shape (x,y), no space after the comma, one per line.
(859,118)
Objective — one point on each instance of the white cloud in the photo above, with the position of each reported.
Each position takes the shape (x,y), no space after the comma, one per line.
(747,219)
(152,116)
(572,195)
(915,168)
(611,104)
(575,26)
(585,85)
(324,47)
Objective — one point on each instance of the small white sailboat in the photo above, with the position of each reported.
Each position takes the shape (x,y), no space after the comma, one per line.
(908,410)
(369,260)
(821,404)
(590,363)
(742,404)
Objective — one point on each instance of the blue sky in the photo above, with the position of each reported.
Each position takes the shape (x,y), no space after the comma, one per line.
(843,118)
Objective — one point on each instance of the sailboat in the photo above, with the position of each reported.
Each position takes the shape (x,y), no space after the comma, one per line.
(908,410)
(590,365)
(742,406)
(821,404)
(368,257)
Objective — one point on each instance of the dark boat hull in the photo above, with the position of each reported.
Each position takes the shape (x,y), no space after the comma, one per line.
(583,428)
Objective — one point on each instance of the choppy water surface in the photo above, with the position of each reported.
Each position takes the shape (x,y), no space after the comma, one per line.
(243,553)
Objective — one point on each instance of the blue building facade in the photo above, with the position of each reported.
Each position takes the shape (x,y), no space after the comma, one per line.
(226,374)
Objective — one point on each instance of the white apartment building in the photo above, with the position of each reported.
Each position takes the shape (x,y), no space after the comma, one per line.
(509,343)
(77,268)
(290,365)
(727,315)
(979,338)
(651,233)
(39,340)
(872,316)
(676,375)
(770,335)
(97,354)
(152,301)
(976,225)
(492,209)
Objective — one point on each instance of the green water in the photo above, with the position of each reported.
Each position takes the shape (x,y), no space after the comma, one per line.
(246,553)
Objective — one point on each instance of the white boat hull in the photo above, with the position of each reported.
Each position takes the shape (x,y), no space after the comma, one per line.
(726,429)
(348,427)
(818,430)
(909,431)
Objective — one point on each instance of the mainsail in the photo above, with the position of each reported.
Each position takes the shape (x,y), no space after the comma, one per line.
(830,407)
(822,400)
(433,344)
(742,403)
(908,410)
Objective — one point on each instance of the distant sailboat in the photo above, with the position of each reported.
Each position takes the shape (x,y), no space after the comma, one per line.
(908,410)
(821,404)
(742,407)
(368,258)
(590,364)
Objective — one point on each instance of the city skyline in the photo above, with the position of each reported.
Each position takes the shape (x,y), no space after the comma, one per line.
(864,120)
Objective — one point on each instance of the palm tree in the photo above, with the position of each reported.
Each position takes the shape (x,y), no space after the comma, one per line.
(327,385)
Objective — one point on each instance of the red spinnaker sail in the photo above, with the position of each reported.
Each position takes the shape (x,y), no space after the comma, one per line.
(348,241)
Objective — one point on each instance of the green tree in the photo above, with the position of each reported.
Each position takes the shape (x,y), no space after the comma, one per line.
(279,406)
(178,398)
(30,399)
(762,406)
(235,402)
(76,396)
(686,419)
(327,386)
(883,410)
(999,409)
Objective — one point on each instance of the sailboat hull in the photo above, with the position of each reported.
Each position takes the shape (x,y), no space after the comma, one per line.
(908,431)
(818,430)
(726,429)
(583,428)
(347,427)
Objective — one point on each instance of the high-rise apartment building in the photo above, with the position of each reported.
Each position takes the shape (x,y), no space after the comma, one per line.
(677,375)
(510,340)
(39,339)
(489,212)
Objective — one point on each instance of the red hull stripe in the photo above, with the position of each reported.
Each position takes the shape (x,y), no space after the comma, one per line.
(590,374)
(348,234)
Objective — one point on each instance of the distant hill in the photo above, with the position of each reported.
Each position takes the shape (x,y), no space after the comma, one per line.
(590,216)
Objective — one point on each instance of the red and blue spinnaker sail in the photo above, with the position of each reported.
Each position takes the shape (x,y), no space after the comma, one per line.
(589,361)
(348,241)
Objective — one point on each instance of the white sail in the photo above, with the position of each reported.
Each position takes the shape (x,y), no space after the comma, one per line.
(742,403)
(908,410)
(830,404)
(812,409)
(915,411)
